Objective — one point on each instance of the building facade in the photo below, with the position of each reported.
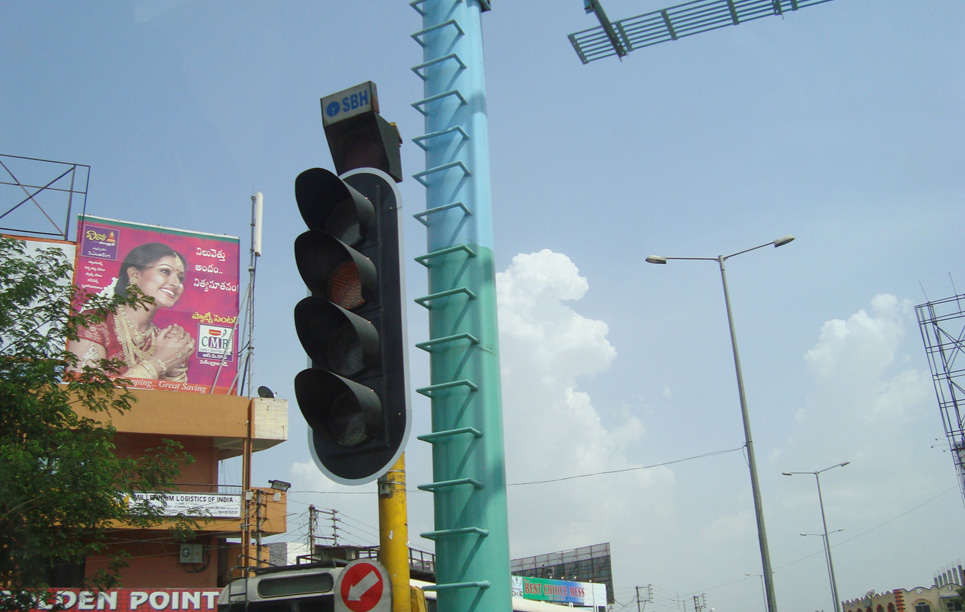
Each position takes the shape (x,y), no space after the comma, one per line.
(918,599)
(211,428)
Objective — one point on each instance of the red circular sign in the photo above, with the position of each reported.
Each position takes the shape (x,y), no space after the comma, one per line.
(362,587)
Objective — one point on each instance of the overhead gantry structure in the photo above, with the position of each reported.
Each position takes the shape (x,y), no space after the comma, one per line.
(619,38)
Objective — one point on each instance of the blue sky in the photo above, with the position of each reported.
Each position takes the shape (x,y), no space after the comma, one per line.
(840,124)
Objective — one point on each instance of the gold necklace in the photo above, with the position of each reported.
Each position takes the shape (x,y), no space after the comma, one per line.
(140,338)
(135,349)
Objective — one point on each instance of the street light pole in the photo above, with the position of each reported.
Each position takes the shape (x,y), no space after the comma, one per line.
(763,592)
(825,538)
(751,461)
(824,523)
(748,439)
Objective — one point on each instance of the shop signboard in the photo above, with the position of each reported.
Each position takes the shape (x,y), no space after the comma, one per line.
(208,505)
(134,600)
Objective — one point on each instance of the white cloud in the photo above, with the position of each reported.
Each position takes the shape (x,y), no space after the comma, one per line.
(871,403)
(867,405)
(907,392)
(861,346)
(561,345)
(855,365)
(728,529)
(546,347)
(552,428)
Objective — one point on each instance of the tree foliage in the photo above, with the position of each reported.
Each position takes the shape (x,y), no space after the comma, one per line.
(61,484)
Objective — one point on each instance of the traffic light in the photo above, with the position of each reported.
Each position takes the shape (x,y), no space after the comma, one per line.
(352,325)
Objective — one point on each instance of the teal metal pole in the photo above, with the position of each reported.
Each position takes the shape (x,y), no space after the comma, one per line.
(469,475)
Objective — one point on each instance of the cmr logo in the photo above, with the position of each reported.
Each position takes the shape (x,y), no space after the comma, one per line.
(215,342)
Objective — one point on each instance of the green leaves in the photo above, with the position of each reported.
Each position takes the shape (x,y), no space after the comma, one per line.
(61,479)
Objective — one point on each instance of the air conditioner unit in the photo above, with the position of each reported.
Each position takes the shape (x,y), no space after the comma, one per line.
(192,553)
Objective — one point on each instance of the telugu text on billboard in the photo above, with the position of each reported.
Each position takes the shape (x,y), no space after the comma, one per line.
(186,339)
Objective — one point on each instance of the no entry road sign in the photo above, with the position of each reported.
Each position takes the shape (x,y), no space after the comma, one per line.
(363,586)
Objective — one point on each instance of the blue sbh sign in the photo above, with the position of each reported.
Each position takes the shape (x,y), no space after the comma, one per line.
(350,102)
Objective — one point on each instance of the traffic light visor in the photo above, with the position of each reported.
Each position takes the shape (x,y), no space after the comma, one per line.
(327,203)
(335,270)
(338,410)
(334,338)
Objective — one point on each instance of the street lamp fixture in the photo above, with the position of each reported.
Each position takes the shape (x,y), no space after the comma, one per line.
(660,259)
(770,596)
(279,485)
(824,523)
(821,534)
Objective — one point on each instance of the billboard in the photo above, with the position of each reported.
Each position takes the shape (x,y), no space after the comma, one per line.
(20,333)
(577,594)
(589,564)
(187,339)
(32,245)
(31,248)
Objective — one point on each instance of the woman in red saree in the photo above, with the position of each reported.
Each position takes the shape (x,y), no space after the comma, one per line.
(130,334)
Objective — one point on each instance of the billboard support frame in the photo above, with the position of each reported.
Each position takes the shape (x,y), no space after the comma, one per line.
(77,173)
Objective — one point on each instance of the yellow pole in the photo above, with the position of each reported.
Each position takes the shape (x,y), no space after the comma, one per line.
(394,534)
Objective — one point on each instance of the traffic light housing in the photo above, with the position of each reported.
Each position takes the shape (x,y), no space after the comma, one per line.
(352,326)
(358,137)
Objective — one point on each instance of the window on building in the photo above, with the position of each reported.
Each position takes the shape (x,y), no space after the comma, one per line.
(891,607)
(69,575)
(922,606)
(953,605)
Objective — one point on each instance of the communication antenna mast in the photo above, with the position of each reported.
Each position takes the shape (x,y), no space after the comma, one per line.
(248,347)
(255,252)
(257,203)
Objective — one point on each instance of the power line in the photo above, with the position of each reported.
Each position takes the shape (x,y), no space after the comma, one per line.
(630,469)
(562,478)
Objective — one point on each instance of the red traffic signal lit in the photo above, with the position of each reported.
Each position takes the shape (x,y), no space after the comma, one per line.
(334,270)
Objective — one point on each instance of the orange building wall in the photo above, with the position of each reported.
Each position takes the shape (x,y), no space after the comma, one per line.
(190,414)
(155,564)
(210,428)
(200,475)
